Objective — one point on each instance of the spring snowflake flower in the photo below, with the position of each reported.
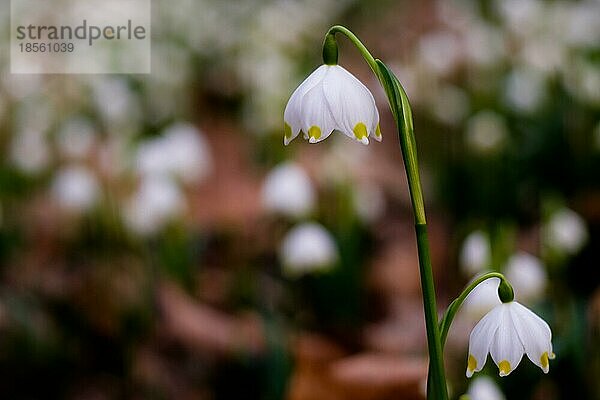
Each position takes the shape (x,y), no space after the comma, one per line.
(507,332)
(307,248)
(331,99)
(288,191)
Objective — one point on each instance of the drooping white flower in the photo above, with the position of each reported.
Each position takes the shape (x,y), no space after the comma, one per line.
(307,248)
(331,98)
(475,254)
(565,231)
(527,276)
(287,190)
(483,298)
(507,332)
(484,388)
(75,188)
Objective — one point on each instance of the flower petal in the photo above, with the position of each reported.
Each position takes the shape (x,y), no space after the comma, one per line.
(535,335)
(481,339)
(317,119)
(293,110)
(507,349)
(353,103)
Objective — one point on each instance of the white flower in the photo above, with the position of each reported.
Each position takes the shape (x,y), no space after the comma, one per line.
(288,190)
(482,299)
(75,188)
(525,89)
(565,231)
(306,248)
(156,202)
(475,254)
(76,138)
(331,98)
(440,51)
(486,132)
(527,276)
(507,332)
(30,151)
(181,152)
(484,388)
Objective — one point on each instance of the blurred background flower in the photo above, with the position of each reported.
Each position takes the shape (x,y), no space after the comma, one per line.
(157,240)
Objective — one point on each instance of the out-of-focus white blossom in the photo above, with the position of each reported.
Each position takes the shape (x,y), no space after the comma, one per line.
(486,132)
(476,253)
(117,104)
(485,45)
(582,80)
(308,248)
(287,190)
(369,202)
(113,98)
(482,299)
(157,201)
(440,52)
(181,152)
(579,23)
(522,17)
(450,104)
(484,388)
(76,138)
(21,86)
(545,55)
(527,275)
(34,116)
(565,232)
(525,90)
(29,151)
(75,188)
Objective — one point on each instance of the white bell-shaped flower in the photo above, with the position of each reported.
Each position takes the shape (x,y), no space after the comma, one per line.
(288,191)
(507,332)
(331,98)
(308,248)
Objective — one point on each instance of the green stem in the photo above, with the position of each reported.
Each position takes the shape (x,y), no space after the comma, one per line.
(401,111)
(453,308)
(357,43)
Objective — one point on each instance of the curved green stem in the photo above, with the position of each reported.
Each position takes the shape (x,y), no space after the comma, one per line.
(453,308)
(357,43)
(402,113)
